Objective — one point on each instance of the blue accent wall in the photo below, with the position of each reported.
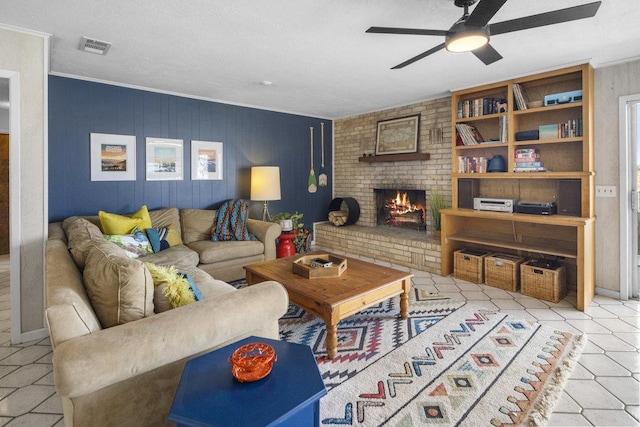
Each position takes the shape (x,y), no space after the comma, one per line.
(251,137)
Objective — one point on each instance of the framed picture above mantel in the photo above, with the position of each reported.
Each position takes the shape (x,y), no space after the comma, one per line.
(398,136)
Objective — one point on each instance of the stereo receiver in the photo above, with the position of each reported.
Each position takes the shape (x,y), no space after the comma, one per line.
(498,205)
(538,208)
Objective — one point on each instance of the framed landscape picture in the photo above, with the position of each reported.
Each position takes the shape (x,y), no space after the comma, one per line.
(164,159)
(113,157)
(398,136)
(206,160)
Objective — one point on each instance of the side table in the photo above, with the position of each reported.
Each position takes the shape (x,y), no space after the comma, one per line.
(285,246)
(208,395)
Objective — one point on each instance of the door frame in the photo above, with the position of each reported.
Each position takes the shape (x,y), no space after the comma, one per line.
(14,196)
(627,254)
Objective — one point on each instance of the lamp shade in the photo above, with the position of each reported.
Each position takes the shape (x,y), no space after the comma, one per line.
(463,38)
(265,183)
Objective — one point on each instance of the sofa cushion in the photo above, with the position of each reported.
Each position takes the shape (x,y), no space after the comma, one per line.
(180,256)
(120,224)
(164,217)
(210,252)
(120,288)
(196,224)
(211,288)
(82,235)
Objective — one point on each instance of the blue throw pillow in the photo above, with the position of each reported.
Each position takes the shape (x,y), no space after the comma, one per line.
(194,288)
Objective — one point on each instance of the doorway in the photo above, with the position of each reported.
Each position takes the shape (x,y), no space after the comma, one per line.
(629,199)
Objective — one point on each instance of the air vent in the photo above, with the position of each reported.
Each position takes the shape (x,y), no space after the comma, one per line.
(94,46)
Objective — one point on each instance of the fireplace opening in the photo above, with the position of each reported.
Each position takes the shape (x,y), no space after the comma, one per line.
(401,208)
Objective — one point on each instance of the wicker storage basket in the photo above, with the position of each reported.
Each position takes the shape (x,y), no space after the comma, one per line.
(468,264)
(543,279)
(503,271)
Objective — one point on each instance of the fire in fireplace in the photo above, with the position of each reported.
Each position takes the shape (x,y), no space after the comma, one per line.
(401,208)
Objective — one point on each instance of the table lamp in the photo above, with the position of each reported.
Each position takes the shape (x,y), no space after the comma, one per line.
(265,186)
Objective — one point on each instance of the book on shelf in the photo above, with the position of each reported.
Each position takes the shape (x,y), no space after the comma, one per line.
(533,169)
(481,107)
(469,134)
(569,129)
(504,133)
(526,153)
(520,96)
(467,164)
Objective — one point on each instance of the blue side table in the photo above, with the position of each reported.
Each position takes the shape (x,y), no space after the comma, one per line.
(208,395)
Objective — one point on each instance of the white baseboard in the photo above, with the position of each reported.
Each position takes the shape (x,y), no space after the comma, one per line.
(608,293)
(38,334)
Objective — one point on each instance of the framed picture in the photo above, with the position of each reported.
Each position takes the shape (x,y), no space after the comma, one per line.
(398,136)
(113,157)
(206,160)
(164,159)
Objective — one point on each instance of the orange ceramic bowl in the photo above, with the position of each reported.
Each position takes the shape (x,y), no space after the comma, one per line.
(252,362)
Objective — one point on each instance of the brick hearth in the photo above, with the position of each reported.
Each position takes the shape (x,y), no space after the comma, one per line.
(398,246)
(355,137)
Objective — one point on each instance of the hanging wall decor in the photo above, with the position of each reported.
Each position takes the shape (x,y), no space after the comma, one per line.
(206,160)
(113,157)
(322,178)
(398,136)
(164,159)
(312,183)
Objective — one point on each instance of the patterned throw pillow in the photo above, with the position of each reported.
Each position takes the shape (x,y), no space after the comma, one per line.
(163,237)
(230,222)
(135,245)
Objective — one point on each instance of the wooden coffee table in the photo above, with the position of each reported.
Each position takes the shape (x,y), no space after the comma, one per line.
(332,299)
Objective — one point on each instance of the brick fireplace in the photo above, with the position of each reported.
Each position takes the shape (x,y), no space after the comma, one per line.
(401,208)
(355,137)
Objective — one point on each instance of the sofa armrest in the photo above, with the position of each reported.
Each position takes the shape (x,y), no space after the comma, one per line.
(92,362)
(267,233)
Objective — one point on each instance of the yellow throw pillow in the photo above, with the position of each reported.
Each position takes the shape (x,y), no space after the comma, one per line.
(143,214)
(120,224)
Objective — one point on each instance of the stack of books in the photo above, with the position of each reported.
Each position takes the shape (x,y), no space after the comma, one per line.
(520,97)
(469,134)
(528,160)
(481,107)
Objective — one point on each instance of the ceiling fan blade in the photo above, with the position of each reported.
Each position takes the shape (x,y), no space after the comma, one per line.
(483,12)
(413,31)
(548,18)
(419,57)
(487,54)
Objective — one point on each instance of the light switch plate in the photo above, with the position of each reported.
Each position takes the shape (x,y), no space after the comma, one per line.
(605,191)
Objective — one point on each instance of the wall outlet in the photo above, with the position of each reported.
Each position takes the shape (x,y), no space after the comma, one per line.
(605,191)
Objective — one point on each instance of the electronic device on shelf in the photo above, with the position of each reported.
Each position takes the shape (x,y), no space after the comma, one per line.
(537,208)
(497,205)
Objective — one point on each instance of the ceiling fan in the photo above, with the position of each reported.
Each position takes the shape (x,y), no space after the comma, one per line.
(472,31)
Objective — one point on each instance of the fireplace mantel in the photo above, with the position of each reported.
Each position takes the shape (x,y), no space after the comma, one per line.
(394,157)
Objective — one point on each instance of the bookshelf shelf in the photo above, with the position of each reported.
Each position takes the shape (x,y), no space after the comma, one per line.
(569,180)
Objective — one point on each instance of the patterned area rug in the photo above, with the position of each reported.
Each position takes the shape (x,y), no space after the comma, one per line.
(449,363)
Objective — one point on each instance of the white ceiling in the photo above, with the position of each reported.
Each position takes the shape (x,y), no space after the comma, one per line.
(315,52)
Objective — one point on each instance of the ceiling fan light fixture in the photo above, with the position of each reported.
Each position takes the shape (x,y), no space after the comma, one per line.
(466,41)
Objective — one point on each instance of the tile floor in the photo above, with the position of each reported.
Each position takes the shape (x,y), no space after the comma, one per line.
(604,389)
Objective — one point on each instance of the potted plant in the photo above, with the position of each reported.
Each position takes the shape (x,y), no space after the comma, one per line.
(436,203)
(301,240)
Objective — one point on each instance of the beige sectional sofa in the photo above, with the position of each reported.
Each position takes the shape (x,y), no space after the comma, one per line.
(127,374)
